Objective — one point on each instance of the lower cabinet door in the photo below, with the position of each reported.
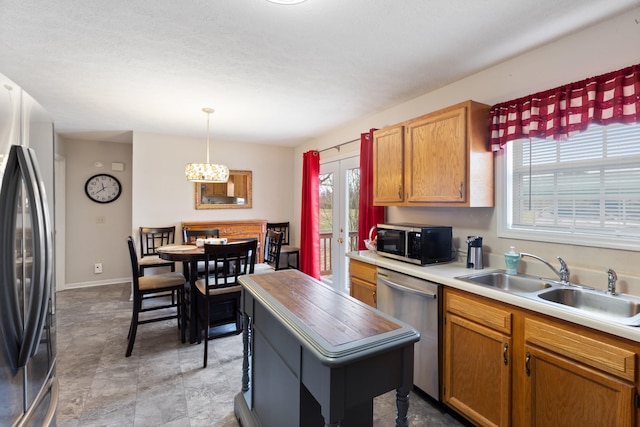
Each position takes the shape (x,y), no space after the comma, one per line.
(477,372)
(555,383)
(363,291)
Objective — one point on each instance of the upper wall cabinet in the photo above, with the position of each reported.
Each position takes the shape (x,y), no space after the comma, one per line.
(388,158)
(439,159)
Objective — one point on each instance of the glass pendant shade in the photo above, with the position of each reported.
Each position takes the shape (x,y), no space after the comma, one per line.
(206,172)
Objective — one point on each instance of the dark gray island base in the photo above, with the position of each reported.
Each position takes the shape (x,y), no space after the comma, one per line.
(316,357)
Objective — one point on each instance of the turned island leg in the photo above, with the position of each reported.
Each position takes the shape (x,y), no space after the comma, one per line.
(245,352)
(402,403)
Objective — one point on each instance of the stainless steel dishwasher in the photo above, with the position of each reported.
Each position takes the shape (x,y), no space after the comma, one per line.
(414,301)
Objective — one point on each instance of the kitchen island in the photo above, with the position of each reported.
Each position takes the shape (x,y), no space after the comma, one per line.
(316,357)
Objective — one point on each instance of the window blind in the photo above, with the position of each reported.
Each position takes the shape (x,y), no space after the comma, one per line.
(588,184)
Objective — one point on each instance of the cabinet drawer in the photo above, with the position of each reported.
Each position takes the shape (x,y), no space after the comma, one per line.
(582,348)
(479,312)
(362,270)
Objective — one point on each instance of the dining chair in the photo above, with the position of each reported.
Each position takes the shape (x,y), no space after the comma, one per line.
(151,238)
(286,249)
(189,235)
(273,245)
(146,285)
(272,260)
(219,292)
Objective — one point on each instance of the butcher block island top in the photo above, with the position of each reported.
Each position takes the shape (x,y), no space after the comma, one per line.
(332,324)
(318,357)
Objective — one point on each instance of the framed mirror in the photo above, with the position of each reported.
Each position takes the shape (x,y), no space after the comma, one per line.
(233,194)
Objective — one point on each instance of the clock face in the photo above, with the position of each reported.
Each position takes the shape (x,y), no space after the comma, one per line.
(103,188)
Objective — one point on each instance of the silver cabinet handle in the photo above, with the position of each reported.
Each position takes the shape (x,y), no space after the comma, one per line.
(406,289)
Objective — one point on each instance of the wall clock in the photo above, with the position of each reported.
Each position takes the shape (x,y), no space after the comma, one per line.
(103,188)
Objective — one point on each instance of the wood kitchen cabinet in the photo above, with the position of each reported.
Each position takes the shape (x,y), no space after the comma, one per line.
(388,157)
(477,359)
(576,379)
(439,159)
(503,365)
(362,279)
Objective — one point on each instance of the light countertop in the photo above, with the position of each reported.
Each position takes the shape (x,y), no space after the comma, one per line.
(446,274)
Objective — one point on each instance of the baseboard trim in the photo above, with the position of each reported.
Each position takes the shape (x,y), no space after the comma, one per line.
(115,281)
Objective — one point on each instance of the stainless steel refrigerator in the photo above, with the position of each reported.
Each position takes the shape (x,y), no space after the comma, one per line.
(28,385)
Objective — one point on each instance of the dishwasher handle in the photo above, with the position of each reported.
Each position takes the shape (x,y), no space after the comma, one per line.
(406,289)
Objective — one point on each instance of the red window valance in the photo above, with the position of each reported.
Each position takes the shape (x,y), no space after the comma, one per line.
(557,113)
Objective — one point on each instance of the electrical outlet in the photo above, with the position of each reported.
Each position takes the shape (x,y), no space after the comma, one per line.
(97,268)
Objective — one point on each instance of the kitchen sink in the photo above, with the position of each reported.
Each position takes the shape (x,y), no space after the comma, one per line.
(616,307)
(520,283)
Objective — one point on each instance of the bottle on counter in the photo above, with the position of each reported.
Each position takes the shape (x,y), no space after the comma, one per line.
(511,260)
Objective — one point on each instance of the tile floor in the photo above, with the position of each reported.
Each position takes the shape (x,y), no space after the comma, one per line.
(163,382)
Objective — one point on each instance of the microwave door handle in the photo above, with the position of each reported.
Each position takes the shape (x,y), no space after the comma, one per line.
(10,319)
(406,289)
(33,314)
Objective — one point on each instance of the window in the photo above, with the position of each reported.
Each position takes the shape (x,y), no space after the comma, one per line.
(584,190)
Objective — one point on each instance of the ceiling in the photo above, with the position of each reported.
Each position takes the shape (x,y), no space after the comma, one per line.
(275,74)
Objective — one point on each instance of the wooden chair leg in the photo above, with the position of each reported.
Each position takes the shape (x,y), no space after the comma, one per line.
(133,328)
(206,331)
(182,318)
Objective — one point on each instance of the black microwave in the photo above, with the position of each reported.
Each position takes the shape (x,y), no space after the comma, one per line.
(418,244)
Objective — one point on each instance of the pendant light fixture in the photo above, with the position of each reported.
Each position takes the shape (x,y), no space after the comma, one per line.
(206,172)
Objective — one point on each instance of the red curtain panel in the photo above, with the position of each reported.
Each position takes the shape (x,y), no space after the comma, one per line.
(368,215)
(557,113)
(310,215)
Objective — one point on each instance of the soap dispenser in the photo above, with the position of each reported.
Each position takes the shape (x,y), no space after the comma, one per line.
(511,259)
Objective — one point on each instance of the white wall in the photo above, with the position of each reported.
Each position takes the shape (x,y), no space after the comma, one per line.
(156,193)
(596,50)
(163,197)
(88,241)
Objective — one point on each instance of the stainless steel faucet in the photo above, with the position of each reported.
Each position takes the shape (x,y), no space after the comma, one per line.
(563,274)
(611,281)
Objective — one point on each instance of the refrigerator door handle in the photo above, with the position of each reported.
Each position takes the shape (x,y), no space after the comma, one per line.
(22,337)
(45,253)
(10,318)
(40,277)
